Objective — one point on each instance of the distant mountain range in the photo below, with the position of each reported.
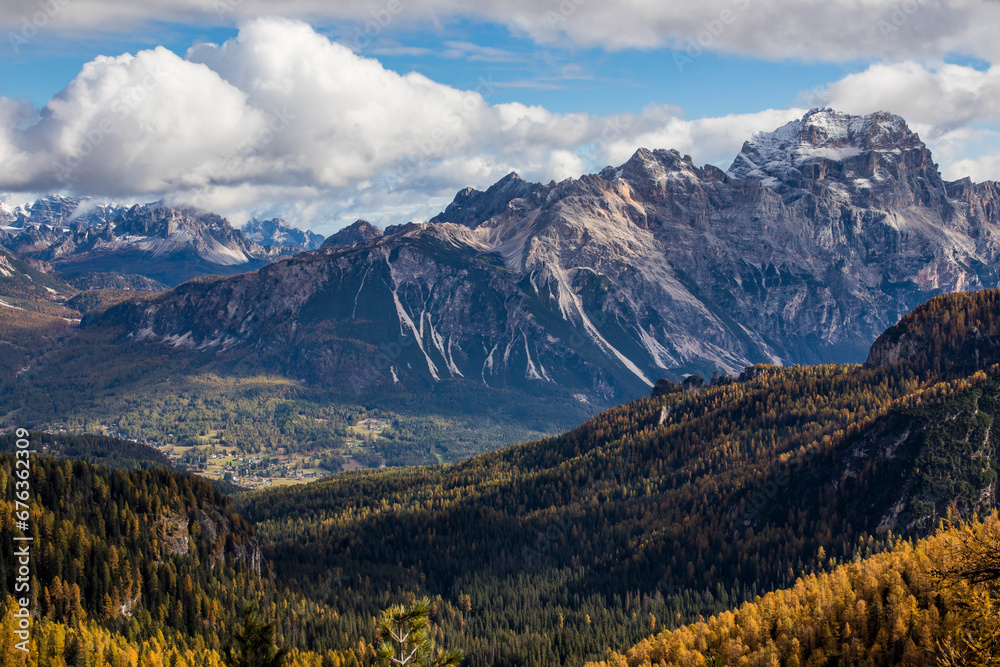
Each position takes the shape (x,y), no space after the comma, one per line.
(820,236)
(153,241)
(277,232)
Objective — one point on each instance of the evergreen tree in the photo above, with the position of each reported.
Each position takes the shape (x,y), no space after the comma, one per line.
(406,639)
(254,644)
(973,567)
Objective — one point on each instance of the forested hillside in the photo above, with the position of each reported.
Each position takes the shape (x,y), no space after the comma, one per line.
(111,452)
(146,568)
(655,512)
(923,603)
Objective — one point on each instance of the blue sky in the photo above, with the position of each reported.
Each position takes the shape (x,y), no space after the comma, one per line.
(560,78)
(552,89)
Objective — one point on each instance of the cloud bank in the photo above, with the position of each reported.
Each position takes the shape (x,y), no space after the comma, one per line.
(838,30)
(283,115)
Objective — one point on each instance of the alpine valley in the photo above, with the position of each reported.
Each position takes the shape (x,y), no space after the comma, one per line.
(796,516)
(821,235)
(552,300)
(827,498)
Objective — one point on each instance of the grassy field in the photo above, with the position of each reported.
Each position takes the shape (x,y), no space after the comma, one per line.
(213,459)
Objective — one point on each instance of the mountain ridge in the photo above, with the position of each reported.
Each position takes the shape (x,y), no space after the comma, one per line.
(162,243)
(156,241)
(278,232)
(605,283)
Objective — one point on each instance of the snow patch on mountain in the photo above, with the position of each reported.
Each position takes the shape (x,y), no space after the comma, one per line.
(822,134)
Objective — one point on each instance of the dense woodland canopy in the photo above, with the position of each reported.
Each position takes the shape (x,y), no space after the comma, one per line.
(567,546)
(919,604)
(813,481)
(146,564)
(657,512)
(929,602)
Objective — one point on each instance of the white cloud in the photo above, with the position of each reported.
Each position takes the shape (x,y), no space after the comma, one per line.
(141,123)
(839,30)
(951,106)
(282,113)
(282,118)
(942,97)
(712,140)
(983,168)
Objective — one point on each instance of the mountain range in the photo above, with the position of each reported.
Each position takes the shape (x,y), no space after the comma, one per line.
(819,236)
(522,300)
(689,507)
(277,232)
(91,242)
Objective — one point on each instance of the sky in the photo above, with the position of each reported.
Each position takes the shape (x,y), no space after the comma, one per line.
(329,111)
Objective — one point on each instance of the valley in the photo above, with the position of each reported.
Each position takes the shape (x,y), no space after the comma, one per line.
(499,419)
(692,503)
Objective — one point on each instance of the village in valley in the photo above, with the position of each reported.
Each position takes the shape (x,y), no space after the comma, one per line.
(280,467)
(220,460)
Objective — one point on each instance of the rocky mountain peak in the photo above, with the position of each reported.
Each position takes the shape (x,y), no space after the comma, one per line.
(472,207)
(822,134)
(166,244)
(58,211)
(6,214)
(361,231)
(873,160)
(604,283)
(278,232)
(651,170)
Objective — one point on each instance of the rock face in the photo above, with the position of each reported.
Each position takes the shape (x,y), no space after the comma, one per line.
(361,231)
(277,232)
(56,211)
(165,244)
(820,236)
(247,552)
(472,206)
(20,279)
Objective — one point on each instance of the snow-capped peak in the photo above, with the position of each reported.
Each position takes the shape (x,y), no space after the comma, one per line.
(822,134)
(7,213)
(278,232)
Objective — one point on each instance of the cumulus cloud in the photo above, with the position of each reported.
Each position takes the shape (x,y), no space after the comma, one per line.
(951,106)
(284,119)
(809,29)
(943,97)
(281,113)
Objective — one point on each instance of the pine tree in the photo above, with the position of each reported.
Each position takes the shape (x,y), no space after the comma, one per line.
(406,639)
(254,644)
